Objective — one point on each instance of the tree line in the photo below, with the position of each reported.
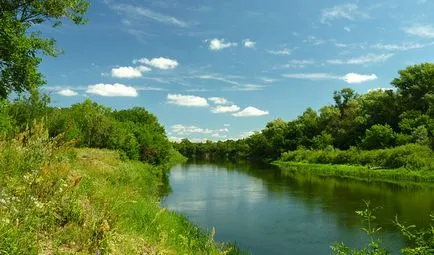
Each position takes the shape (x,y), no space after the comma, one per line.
(135,132)
(379,119)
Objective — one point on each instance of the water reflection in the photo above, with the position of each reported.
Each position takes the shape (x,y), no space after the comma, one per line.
(274,212)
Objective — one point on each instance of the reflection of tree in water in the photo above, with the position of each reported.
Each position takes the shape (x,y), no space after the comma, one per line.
(342,197)
(164,189)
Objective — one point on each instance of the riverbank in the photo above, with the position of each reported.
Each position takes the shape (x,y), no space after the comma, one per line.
(363,173)
(56,199)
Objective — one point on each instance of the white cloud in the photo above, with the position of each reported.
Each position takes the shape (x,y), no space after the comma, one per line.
(129,71)
(312,40)
(220,44)
(225,109)
(350,78)
(187,100)
(218,100)
(182,130)
(160,62)
(424,31)
(370,58)
(248,87)
(250,112)
(294,63)
(347,28)
(268,80)
(247,134)
(226,125)
(216,78)
(347,11)
(351,45)
(380,89)
(282,52)
(249,44)
(112,90)
(67,92)
(217,135)
(133,11)
(401,47)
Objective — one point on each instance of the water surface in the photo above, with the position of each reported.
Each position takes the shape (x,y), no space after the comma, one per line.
(269,212)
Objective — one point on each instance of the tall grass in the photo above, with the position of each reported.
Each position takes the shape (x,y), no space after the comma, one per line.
(58,200)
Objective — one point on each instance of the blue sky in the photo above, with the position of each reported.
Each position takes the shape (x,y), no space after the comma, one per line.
(222,69)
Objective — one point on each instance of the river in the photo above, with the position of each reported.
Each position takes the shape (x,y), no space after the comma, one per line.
(266,211)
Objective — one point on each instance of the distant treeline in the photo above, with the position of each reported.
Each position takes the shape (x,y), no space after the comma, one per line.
(379,119)
(135,132)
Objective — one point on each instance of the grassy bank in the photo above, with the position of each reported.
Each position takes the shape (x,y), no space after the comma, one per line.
(412,162)
(358,172)
(58,200)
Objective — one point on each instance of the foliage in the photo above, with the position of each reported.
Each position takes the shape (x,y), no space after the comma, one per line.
(373,248)
(378,137)
(20,45)
(410,156)
(420,242)
(58,200)
(135,132)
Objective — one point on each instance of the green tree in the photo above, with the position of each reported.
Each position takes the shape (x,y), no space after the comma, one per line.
(379,137)
(20,46)
(416,86)
(343,98)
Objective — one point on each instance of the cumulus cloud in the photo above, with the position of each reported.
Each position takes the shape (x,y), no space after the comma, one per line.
(67,92)
(424,31)
(220,44)
(249,44)
(250,112)
(225,109)
(160,62)
(347,11)
(112,90)
(187,100)
(218,100)
(129,71)
(282,52)
(358,78)
(367,59)
(350,78)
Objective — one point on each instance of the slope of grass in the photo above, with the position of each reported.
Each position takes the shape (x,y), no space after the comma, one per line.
(59,200)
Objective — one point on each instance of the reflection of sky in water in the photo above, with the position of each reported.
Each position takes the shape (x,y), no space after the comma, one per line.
(271,215)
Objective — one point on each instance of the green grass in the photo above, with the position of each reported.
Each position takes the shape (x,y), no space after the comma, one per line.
(365,173)
(58,200)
